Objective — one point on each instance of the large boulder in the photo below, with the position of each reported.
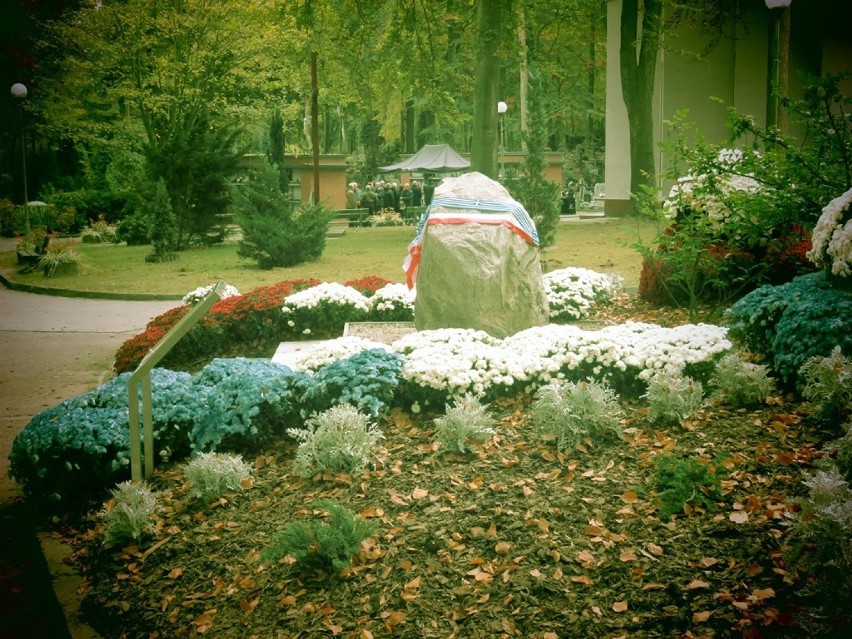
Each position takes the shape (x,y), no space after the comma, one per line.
(478,261)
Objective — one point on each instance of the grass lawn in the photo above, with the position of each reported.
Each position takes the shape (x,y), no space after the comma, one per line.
(601,245)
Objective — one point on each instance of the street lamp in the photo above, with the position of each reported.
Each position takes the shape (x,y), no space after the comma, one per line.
(502,107)
(19,92)
(778,55)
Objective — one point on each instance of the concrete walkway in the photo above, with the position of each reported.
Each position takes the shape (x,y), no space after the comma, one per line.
(51,349)
(54,348)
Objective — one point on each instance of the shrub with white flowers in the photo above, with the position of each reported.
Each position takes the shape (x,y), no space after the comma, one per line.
(392,303)
(832,237)
(571,292)
(194,297)
(325,308)
(328,351)
(710,193)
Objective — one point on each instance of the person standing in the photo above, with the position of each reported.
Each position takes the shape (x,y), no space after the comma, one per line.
(416,194)
(369,200)
(428,191)
(351,198)
(389,198)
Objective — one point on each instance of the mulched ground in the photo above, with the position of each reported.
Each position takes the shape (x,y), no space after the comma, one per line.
(514,540)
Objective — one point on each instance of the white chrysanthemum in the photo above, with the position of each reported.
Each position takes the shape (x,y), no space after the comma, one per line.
(193,297)
(332,350)
(832,237)
(330,292)
(690,191)
(571,292)
(393,296)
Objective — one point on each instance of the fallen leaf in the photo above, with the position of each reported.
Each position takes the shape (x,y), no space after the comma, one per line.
(762,593)
(414,584)
(708,562)
(654,549)
(629,497)
(204,621)
(419,493)
(627,555)
(174,573)
(249,606)
(365,634)
(619,606)
(738,516)
(502,547)
(700,617)
(696,584)
(582,579)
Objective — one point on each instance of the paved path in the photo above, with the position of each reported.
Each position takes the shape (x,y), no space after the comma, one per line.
(54,348)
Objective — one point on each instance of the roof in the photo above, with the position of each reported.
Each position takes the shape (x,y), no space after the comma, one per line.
(432,157)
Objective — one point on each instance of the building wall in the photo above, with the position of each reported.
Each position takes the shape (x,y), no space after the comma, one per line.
(733,74)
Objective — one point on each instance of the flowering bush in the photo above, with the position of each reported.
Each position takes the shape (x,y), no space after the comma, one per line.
(392,303)
(175,404)
(366,380)
(451,363)
(715,193)
(131,352)
(99,232)
(787,324)
(571,292)
(249,401)
(70,453)
(322,310)
(332,350)
(385,217)
(368,284)
(248,324)
(832,237)
(195,296)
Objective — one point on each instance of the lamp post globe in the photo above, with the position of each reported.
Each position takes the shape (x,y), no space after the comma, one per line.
(19,91)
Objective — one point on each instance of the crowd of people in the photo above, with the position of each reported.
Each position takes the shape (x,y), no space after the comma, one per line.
(379,195)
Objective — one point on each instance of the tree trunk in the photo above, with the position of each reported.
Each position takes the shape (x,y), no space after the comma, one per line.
(524,76)
(640,42)
(483,148)
(315,193)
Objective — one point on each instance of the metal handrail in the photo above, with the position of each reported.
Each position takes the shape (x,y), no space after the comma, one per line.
(142,375)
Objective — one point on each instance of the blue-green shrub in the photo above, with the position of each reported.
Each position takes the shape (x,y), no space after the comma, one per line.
(175,404)
(250,401)
(367,380)
(787,324)
(71,453)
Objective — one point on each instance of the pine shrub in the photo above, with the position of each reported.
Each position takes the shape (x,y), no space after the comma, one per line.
(327,546)
(682,482)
